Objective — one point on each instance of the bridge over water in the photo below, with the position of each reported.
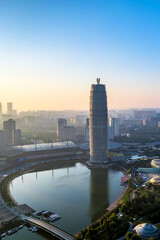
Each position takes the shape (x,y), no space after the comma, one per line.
(60,234)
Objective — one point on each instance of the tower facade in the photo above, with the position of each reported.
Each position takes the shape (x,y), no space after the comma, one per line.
(98,123)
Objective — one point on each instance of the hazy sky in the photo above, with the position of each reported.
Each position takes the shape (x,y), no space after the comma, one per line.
(52,50)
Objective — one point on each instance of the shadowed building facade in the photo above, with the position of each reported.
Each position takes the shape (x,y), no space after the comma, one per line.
(98,124)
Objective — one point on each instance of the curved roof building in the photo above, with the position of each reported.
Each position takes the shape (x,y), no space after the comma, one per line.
(147,230)
(155,181)
(98,123)
(111,145)
(155,163)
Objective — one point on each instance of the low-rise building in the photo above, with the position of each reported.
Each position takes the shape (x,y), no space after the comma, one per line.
(146,231)
(155,163)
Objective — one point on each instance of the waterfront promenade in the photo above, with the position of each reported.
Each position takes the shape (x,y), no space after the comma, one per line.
(6,214)
(114,204)
(48,228)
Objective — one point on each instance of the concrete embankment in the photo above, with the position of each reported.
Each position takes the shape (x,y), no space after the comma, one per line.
(114,204)
(8,185)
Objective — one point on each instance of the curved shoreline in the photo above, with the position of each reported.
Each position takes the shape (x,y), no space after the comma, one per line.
(114,204)
(110,208)
(8,186)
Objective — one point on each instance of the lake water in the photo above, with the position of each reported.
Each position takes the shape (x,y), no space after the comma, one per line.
(79,195)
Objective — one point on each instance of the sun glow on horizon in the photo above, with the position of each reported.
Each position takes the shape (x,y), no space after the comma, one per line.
(52,52)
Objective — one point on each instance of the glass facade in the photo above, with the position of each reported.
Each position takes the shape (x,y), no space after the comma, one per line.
(98,124)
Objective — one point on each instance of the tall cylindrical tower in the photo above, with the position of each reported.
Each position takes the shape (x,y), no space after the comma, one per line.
(98,123)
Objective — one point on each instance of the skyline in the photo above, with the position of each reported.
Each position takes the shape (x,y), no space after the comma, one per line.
(52,51)
(4,109)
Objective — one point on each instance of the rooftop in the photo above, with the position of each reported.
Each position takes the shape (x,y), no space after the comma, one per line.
(146,230)
(46,146)
(155,163)
(155,180)
(111,145)
(149,170)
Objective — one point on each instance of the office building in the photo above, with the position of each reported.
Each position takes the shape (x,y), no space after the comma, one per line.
(98,124)
(0,110)
(115,126)
(9,108)
(18,137)
(9,132)
(86,131)
(110,133)
(2,142)
(67,133)
(61,123)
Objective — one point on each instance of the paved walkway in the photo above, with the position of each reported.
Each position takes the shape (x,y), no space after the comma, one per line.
(114,204)
(49,228)
(6,213)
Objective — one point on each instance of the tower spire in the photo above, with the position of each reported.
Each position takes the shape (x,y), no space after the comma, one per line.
(98,80)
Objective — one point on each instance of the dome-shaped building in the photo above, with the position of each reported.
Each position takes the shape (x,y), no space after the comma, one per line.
(155,181)
(147,230)
(155,163)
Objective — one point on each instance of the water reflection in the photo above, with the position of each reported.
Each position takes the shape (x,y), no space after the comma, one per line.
(99,195)
(76,193)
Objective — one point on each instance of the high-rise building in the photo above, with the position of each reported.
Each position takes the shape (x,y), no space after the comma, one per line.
(110,133)
(61,123)
(0,110)
(18,137)
(67,133)
(98,124)
(2,142)
(9,132)
(86,131)
(9,108)
(115,126)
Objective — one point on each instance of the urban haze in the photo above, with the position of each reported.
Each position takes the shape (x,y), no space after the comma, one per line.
(79,120)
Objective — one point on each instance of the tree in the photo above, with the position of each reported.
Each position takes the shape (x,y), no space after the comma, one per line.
(135,237)
(149,185)
(132,236)
(113,217)
(129,235)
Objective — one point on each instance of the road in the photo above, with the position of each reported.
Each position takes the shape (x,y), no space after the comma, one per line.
(49,228)
(129,230)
